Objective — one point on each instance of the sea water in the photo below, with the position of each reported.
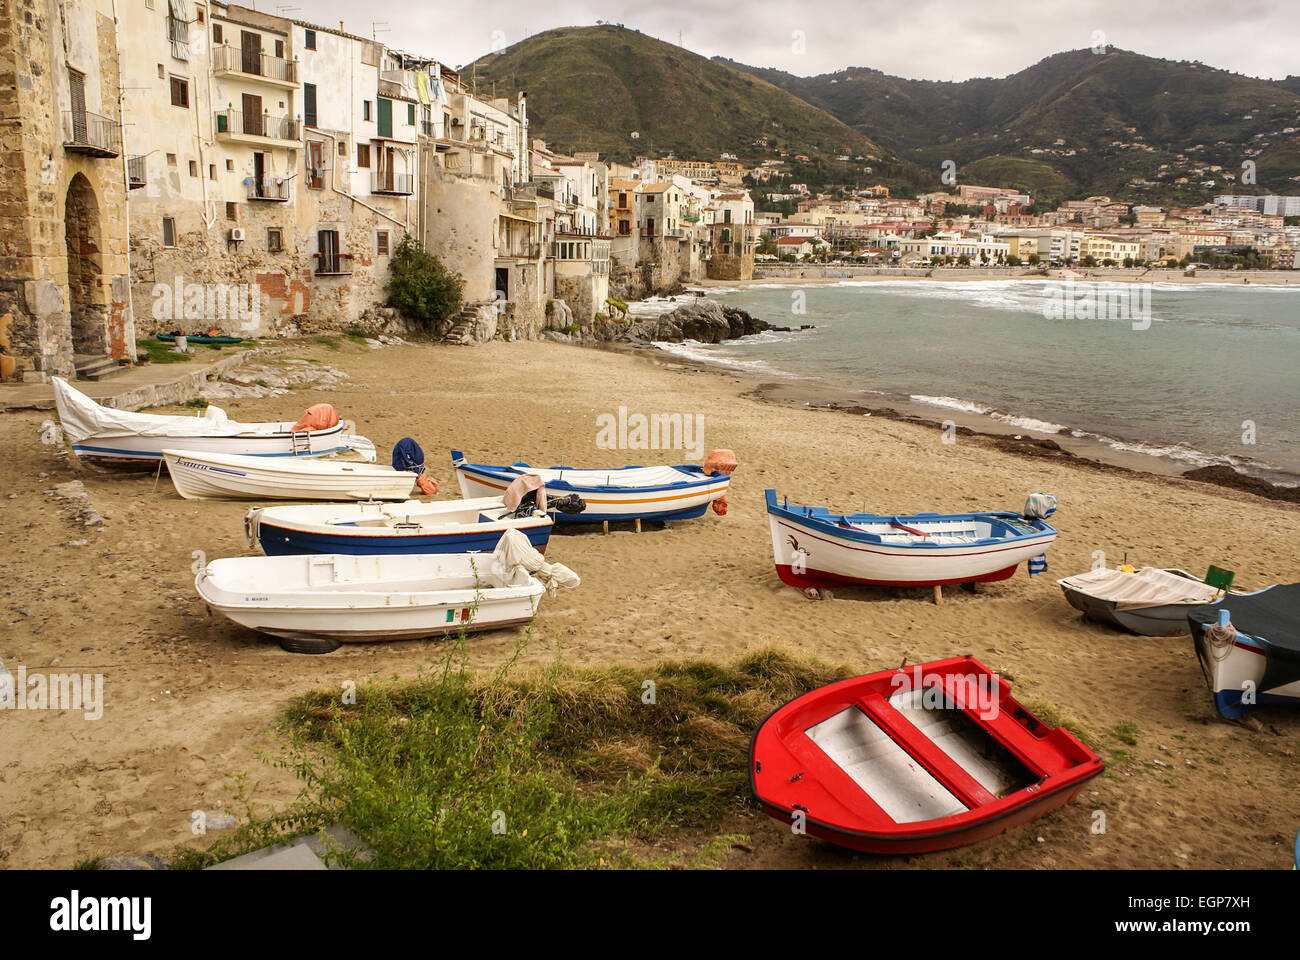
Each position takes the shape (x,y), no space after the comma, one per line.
(1193,375)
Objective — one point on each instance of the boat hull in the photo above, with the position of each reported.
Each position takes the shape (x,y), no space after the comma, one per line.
(442,527)
(144,452)
(363,599)
(914,760)
(198,476)
(1232,670)
(811,552)
(683,501)
(1169,620)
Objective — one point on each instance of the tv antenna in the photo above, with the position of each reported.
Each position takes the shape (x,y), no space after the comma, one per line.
(282,10)
(374,28)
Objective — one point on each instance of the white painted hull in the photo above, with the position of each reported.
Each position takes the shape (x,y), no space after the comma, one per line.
(207,476)
(808,558)
(614,506)
(365,598)
(147,450)
(1234,669)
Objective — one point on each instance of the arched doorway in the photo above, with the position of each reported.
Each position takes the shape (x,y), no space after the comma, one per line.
(87,309)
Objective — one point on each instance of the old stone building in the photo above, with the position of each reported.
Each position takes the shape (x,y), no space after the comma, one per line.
(65,301)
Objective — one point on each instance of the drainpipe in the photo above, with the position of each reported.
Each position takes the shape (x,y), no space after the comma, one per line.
(128,334)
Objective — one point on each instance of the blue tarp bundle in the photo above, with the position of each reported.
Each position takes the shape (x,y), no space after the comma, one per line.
(407,455)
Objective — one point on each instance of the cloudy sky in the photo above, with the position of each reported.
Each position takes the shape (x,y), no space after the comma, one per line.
(926,39)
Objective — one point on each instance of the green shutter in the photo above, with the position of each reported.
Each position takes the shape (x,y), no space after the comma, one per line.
(385,117)
(410,114)
(309,104)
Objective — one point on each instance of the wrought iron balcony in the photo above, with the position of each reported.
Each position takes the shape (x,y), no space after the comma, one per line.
(269,188)
(385,181)
(230,59)
(91,134)
(233,124)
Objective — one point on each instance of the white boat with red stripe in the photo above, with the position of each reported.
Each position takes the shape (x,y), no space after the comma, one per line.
(814,547)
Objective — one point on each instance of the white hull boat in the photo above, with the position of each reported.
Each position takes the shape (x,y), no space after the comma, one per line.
(352,598)
(412,527)
(813,547)
(103,435)
(1151,601)
(1248,645)
(216,476)
(620,494)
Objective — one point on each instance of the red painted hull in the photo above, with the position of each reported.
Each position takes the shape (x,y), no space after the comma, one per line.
(844,761)
(820,578)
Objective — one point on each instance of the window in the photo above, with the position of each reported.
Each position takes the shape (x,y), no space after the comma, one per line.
(216,33)
(329,259)
(274,240)
(381,243)
(162,73)
(315,165)
(279,49)
(194,168)
(232,211)
(212,171)
(171,159)
(199,12)
(410,114)
(343,148)
(309,39)
(148,4)
(365,109)
(309,104)
(230,165)
(168,232)
(363,155)
(180,92)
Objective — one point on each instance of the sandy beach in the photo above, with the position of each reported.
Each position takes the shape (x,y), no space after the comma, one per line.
(191,702)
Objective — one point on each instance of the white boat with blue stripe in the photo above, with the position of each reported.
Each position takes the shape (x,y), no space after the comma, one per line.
(106,436)
(1249,648)
(814,547)
(412,526)
(617,494)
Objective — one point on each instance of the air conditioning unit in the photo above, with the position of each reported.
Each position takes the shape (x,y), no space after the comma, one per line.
(236,234)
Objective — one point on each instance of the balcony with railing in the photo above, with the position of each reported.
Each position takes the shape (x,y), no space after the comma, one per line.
(388,182)
(91,134)
(136,173)
(254,127)
(242,64)
(269,188)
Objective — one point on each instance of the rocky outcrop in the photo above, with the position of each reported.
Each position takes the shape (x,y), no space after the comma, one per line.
(706,321)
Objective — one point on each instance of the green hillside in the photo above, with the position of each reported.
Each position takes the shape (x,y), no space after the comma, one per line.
(1089,101)
(625,94)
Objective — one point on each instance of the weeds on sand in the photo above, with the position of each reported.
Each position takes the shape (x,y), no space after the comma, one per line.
(554,767)
(159,352)
(331,342)
(1126,732)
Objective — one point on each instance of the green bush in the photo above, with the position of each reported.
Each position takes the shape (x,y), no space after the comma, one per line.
(420,286)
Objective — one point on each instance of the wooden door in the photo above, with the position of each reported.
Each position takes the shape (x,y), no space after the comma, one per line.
(253,115)
(251,44)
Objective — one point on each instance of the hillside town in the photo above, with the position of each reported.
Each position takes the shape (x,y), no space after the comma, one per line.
(210,146)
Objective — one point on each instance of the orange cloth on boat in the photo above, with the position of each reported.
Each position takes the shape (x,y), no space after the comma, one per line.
(428,486)
(720,461)
(319,416)
(720,506)
(520,486)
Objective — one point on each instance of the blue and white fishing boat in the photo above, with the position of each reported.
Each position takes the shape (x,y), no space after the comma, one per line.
(619,494)
(814,547)
(412,526)
(111,437)
(1249,648)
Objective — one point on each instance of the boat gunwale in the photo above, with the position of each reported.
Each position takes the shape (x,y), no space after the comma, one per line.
(513,472)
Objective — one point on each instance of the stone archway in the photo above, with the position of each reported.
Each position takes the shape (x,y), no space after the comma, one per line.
(87,309)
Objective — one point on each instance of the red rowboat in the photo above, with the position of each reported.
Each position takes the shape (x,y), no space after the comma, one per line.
(928,757)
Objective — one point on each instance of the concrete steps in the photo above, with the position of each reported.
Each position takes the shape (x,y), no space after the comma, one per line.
(91,367)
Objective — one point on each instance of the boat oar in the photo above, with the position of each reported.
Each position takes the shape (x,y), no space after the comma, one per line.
(912,530)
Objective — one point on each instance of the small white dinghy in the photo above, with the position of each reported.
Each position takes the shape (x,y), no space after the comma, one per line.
(216,476)
(320,600)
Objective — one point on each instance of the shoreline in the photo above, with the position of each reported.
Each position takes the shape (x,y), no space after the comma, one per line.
(800,274)
(812,394)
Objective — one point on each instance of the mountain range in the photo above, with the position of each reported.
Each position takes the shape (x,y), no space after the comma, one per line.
(1075,124)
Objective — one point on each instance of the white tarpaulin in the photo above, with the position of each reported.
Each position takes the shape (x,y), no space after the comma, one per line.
(1148,587)
(82,418)
(517,557)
